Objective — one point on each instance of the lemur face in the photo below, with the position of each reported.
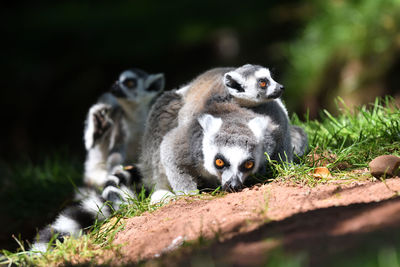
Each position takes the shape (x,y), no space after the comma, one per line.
(232,156)
(252,83)
(135,84)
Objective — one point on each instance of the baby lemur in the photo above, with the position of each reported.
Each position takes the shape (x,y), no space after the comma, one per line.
(250,86)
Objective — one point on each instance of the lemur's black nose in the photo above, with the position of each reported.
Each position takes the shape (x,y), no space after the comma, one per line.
(233,185)
(282,87)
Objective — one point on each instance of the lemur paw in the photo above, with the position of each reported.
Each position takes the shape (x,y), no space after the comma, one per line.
(127,174)
(102,121)
(97,123)
(161,196)
(116,190)
(121,175)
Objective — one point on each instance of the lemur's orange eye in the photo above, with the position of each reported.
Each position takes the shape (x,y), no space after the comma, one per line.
(262,84)
(249,164)
(130,82)
(219,163)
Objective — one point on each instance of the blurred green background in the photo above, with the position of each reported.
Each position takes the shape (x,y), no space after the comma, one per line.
(57,57)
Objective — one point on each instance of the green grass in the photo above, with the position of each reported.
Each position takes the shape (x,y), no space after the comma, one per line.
(356,136)
(345,142)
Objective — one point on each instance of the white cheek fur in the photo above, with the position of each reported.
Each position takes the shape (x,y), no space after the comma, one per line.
(271,88)
(209,152)
(252,90)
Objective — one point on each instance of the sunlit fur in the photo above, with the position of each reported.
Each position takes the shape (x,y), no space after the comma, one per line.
(251,94)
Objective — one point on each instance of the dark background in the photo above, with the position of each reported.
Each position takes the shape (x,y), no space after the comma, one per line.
(58,57)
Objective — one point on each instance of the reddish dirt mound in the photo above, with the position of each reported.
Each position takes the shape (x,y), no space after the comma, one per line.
(257,213)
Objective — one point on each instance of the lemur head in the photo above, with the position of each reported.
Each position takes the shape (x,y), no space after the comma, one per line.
(252,85)
(233,149)
(136,85)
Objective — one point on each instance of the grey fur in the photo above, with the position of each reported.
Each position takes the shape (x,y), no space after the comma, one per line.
(282,134)
(299,141)
(115,124)
(163,117)
(176,158)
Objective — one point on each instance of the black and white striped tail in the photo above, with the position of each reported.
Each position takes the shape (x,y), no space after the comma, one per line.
(91,207)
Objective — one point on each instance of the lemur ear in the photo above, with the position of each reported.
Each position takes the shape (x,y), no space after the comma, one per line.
(210,124)
(155,82)
(258,125)
(233,80)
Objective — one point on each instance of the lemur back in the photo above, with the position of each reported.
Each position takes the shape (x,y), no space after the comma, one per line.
(115,124)
(199,91)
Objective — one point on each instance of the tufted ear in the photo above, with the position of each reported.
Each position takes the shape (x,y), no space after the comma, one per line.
(233,81)
(155,82)
(258,125)
(210,124)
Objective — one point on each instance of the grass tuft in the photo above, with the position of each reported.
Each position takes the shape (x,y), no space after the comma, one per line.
(346,142)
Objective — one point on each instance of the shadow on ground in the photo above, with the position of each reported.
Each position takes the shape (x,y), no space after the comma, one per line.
(365,234)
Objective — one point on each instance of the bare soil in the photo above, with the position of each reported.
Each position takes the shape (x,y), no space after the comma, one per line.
(323,220)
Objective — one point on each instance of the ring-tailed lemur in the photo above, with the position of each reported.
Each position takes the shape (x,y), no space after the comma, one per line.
(222,145)
(115,124)
(251,86)
(114,127)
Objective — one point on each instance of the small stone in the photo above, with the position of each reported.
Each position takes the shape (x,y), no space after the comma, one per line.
(386,165)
